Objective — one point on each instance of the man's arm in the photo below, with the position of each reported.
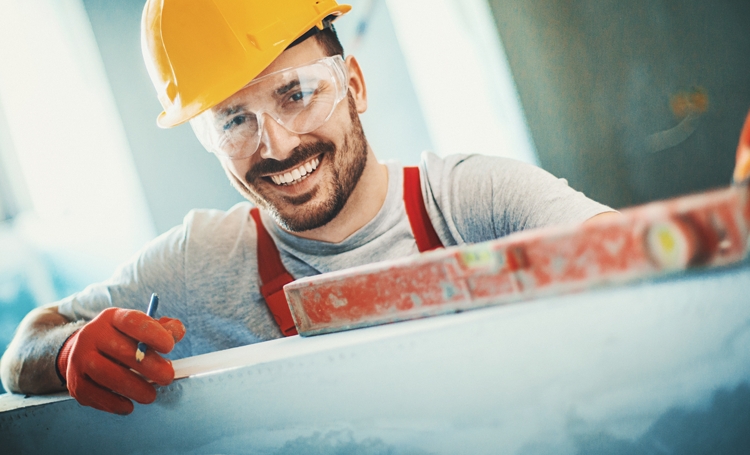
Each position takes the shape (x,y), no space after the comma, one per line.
(96,360)
(95,356)
(604,216)
(28,365)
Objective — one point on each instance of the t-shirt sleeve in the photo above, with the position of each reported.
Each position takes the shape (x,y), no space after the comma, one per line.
(158,267)
(482,198)
(205,272)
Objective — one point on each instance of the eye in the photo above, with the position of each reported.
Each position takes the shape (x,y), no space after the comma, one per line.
(235,121)
(301,95)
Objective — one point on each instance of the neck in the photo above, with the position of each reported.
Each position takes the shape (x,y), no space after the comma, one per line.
(363,204)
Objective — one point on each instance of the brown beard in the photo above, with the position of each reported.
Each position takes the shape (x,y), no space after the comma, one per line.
(347,166)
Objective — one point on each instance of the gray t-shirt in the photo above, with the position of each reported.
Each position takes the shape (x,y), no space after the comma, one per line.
(206,274)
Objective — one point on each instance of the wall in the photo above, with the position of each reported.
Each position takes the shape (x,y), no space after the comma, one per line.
(607,88)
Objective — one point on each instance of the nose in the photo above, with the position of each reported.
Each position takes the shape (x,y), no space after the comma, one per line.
(276,141)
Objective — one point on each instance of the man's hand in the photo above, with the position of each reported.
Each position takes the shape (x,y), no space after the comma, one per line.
(604,216)
(96,360)
(742,166)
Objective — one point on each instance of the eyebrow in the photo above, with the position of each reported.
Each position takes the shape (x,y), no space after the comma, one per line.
(231,110)
(285,88)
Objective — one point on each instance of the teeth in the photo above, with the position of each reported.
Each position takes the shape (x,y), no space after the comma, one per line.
(296,174)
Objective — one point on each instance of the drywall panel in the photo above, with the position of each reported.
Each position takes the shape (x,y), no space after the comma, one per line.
(654,367)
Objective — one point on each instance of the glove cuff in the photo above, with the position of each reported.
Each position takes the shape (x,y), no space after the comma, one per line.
(61,361)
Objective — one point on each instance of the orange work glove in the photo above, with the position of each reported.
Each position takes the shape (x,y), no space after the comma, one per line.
(742,166)
(95,361)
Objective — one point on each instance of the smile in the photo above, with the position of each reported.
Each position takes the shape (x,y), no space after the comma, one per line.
(296,175)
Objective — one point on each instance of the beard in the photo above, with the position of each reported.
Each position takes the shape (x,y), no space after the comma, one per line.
(298,213)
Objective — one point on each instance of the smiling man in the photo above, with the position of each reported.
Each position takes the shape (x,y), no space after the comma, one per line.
(266,87)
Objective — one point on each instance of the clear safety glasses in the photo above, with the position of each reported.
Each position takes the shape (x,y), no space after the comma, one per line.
(300,99)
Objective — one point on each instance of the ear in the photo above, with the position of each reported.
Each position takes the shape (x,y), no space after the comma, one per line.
(357,84)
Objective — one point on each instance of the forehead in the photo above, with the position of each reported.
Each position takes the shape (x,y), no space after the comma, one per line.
(304,52)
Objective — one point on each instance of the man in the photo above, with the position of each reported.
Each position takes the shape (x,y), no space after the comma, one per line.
(266,88)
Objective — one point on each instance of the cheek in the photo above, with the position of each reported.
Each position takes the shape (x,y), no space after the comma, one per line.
(236,168)
(336,127)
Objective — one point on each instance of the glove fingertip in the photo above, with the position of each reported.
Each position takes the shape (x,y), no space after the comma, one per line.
(116,405)
(126,410)
(175,328)
(166,378)
(122,405)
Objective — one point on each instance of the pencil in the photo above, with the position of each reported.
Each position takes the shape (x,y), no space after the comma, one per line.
(140,353)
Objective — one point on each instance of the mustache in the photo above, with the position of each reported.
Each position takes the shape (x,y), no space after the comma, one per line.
(299,155)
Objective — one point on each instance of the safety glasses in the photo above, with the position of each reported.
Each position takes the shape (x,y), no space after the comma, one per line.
(300,99)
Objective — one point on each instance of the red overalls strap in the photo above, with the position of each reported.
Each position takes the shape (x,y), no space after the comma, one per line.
(273,277)
(273,274)
(421,226)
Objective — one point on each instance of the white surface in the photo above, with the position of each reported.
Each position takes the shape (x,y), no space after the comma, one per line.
(541,377)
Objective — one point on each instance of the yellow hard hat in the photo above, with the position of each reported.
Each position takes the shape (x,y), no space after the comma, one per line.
(200,52)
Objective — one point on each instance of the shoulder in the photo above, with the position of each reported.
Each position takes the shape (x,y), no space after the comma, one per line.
(484,197)
(472,176)
(473,179)
(200,229)
(477,168)
(208,228)
(207,221)
(213,239)
(441,178)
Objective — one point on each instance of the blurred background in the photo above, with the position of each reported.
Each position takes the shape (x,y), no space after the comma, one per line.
(629,101)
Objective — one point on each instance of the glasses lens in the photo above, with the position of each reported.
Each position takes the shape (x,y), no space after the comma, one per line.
(234,135)
(307,101)
(301,99)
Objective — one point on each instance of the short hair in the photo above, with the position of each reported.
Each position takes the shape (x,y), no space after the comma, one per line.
(329,41)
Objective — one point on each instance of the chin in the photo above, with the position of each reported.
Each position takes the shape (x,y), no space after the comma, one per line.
(311,214)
